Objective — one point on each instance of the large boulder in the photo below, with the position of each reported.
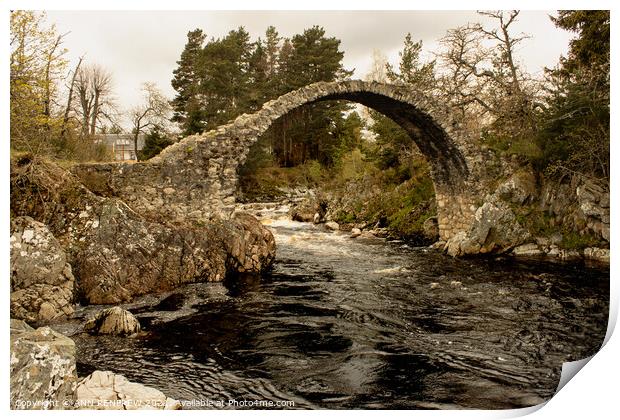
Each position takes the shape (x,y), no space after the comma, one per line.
(127,256)
(113,321)
(104,390)
(311,209)
(43,374)
(117,253)
(495,229)
(332,226)
(251,247)
(42,283)
(520,188)
(299,216)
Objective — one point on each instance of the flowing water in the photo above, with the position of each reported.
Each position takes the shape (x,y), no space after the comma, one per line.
(363,323)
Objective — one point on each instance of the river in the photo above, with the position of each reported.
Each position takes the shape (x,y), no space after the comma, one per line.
(363,323)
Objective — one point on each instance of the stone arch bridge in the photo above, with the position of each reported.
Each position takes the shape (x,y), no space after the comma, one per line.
(196,179)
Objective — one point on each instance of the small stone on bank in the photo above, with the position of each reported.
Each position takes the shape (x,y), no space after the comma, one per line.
(332,226)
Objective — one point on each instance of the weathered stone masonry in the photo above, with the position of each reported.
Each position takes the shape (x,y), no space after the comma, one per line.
(196,178)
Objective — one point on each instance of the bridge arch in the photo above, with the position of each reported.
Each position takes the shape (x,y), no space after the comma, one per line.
(197,178)
(412,112)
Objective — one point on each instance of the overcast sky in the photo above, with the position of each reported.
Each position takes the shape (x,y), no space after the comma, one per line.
(144,46)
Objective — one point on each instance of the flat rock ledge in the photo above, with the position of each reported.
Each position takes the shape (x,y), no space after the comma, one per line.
(105,390)
(599,255)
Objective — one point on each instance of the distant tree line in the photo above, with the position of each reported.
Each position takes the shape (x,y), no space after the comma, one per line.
(559,123)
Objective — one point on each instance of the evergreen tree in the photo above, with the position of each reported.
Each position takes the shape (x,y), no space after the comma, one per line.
(411,70)
(591,46)
(258,92)
(188,111)
(285,72)
(394,147)
(154,142)
(575,130)
(390,141)
(348,131)
(272,51)
(232,75)
(313,57)
(226,82)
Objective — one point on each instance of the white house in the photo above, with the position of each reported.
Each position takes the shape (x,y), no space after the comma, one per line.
(121,145)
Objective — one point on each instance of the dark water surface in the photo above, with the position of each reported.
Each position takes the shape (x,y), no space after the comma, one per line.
(365,323)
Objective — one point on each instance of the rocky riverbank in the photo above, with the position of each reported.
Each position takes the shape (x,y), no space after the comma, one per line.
(523,217)
(44,377)
(98,250)
(70,245)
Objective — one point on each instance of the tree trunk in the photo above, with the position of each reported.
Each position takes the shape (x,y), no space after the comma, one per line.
(95,114)
(65,119)
(135,144)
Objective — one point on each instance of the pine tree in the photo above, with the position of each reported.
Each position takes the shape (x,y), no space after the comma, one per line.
(411,70)
(233,75)
(591,46)
(272,42)
(186,104)
(258,90)
(226,80)
(285,75)
(575,125)
(348,131)
(394,147)
(154,142)
(314,57)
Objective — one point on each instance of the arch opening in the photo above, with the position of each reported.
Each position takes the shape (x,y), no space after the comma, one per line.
(448,164)
(447,161)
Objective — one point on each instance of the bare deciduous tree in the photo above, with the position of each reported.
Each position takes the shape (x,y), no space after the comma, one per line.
(506,44)
(461,57)
(65,119)
(153,111)
(94,92)
(482,79)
